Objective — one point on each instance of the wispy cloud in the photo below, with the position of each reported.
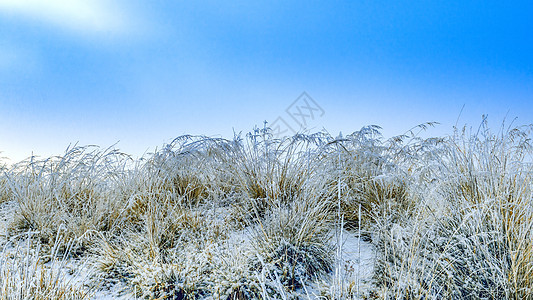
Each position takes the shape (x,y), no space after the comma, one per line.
(88,16)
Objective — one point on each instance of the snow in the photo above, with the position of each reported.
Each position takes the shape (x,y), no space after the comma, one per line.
(7,210)
(357,259)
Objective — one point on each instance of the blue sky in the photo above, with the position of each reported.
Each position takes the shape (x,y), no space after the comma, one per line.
(144,72)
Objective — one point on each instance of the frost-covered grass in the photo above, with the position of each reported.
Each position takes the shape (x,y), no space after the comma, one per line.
(310,216)
(25,273)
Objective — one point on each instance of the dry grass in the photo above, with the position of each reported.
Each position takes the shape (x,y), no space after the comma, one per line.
(259,217)
(76,192)
(27,274)
(472,234)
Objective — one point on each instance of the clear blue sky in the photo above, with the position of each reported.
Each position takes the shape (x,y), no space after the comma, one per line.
(144,72)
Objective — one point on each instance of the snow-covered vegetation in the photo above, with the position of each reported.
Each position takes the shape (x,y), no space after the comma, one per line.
(308,216)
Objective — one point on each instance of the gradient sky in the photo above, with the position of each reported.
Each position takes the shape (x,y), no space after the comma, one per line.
(144,72)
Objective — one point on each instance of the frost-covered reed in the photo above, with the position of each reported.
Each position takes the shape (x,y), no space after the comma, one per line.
(261,217)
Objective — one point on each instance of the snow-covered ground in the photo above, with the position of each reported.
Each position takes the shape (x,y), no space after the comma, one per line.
(357,262)
(7,210)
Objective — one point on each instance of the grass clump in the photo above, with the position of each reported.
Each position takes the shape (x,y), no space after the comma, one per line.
(292,243)
(25,273)
(74,192)
(471,234)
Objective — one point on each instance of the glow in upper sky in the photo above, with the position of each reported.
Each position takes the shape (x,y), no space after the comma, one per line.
(82,16)
(144,72)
